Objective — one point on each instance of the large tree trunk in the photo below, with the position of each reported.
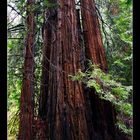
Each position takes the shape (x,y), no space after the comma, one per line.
(67,109)
(64,102)
(103,113)
(48,79)
(27,94)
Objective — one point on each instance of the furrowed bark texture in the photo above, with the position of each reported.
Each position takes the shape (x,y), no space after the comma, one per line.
(103,113)
(103,123)
(92,34)
(68,110)
(64,103)
(48,89)
(26,100)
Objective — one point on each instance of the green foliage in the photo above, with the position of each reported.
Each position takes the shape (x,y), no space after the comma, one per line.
(123,127)
(78,77)
(15,52)
(13,123)
(40,7)
(108,89)
(117,37)
(14,87)
(129,2)
(49,4)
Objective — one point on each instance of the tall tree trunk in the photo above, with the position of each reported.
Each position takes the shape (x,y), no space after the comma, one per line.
(68,109)
(27,93)
(48,79)
(103,113)
(64,99)
(92,34)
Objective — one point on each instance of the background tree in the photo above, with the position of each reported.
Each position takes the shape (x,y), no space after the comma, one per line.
(27,93)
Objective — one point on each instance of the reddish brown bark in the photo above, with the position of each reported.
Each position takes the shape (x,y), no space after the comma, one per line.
(48,79)
(67,110)
(26,100)
(103,113)
(71,117)
(70,112)
(65,103)
(92,34)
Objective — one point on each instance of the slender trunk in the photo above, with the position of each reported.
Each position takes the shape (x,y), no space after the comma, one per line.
(26,100)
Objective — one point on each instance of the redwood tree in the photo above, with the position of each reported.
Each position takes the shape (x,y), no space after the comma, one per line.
(103,113)
(67,109)
(92,34)
(63,100)
(27,93)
